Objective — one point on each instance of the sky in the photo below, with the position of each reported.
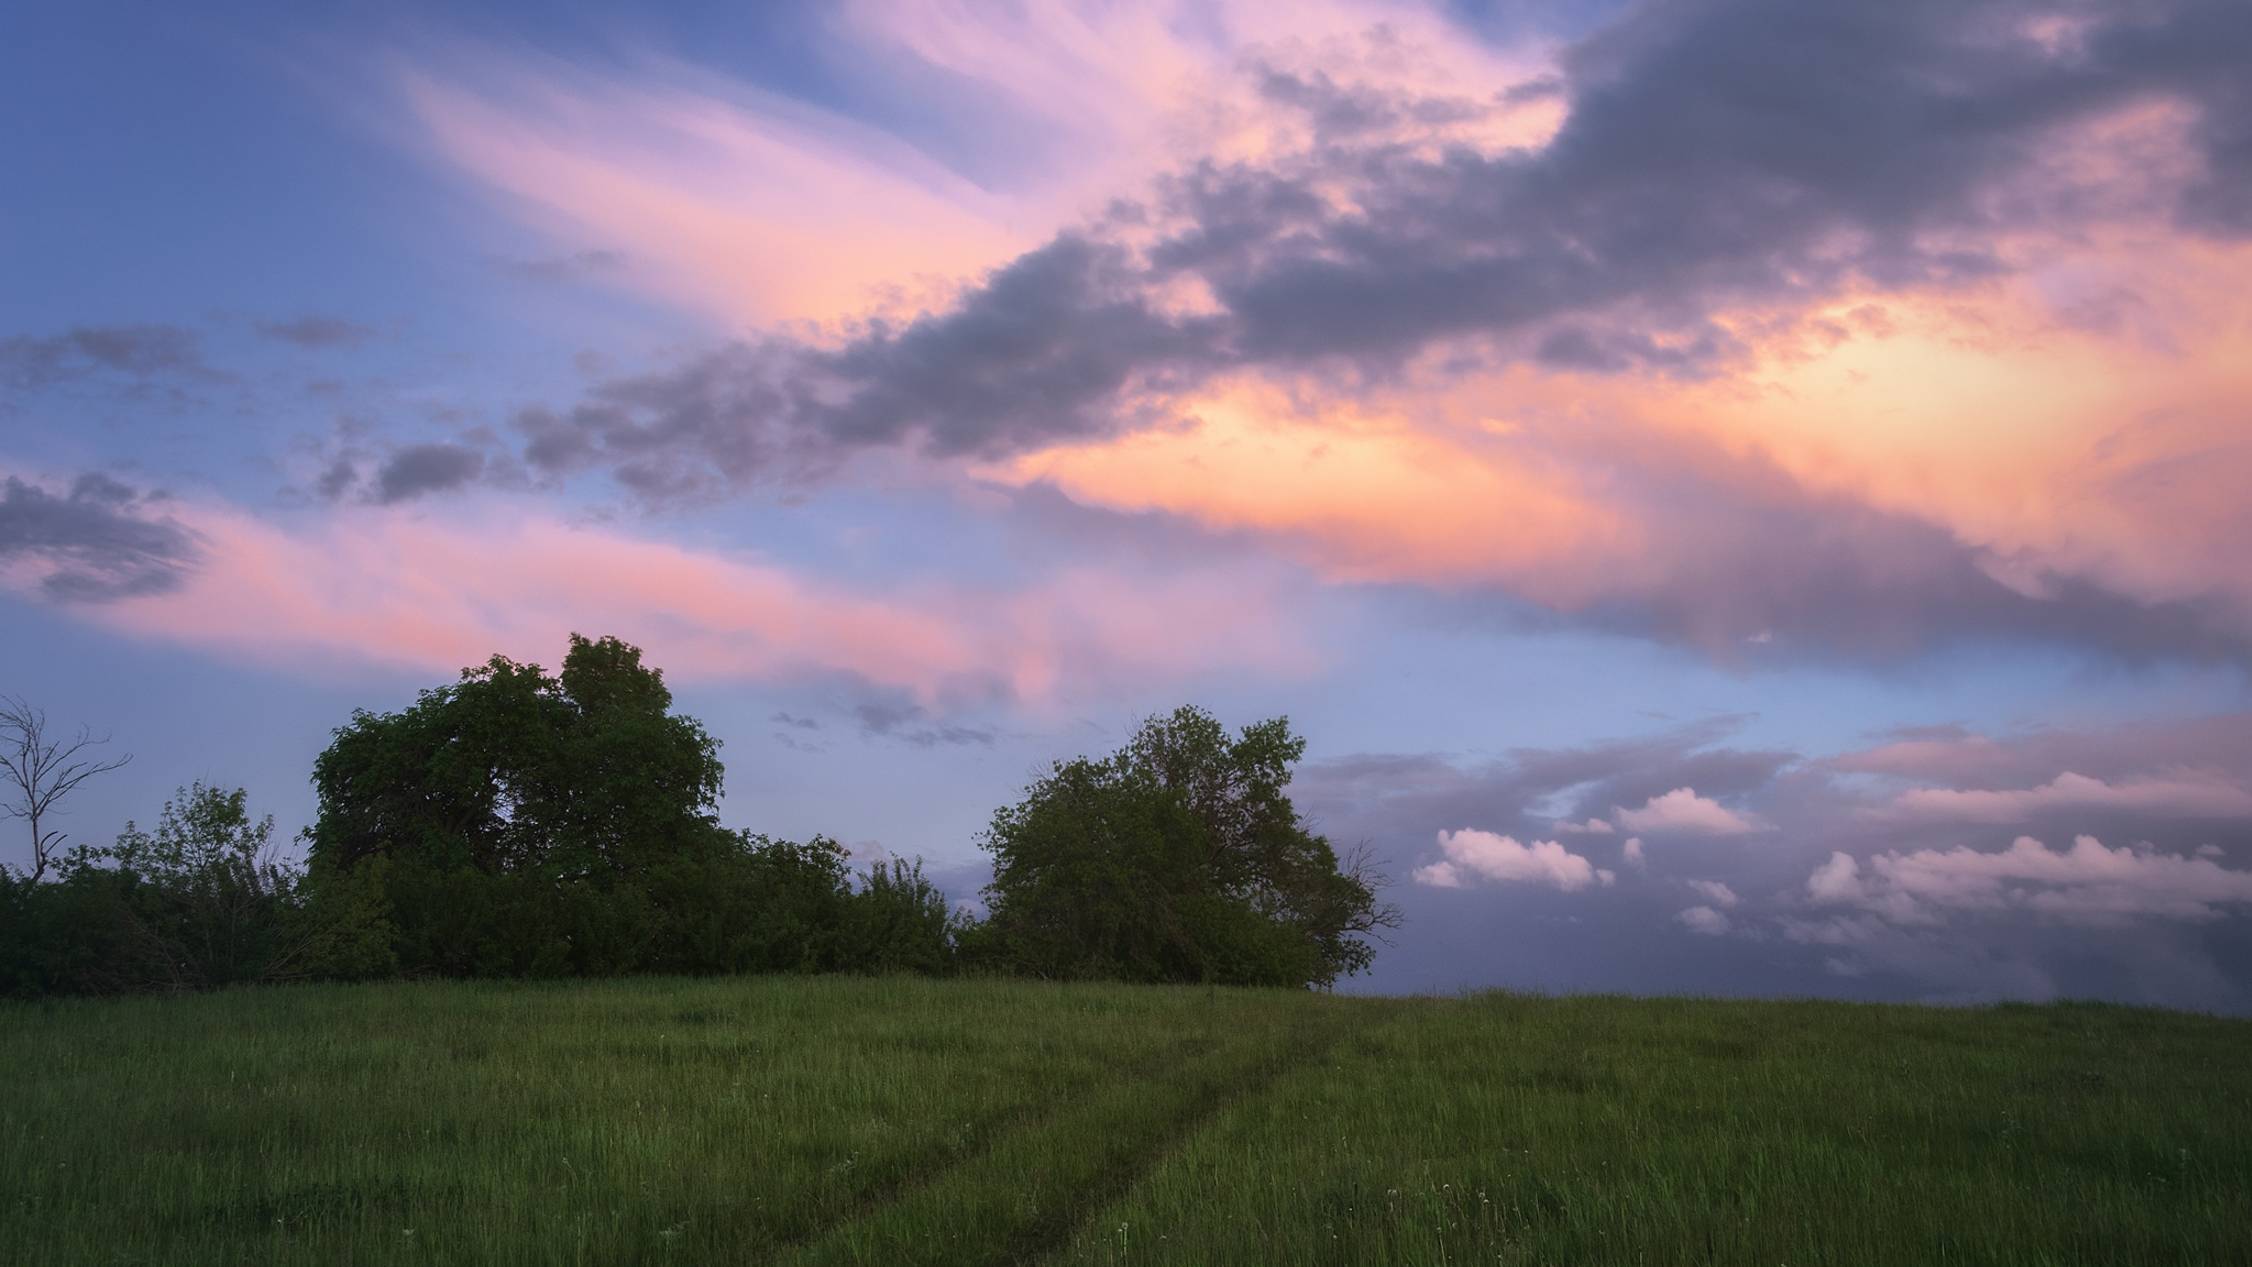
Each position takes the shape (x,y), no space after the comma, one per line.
(1740,497)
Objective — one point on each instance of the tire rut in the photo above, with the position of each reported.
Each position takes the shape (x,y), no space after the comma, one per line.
(984,1135)
(1044,1239)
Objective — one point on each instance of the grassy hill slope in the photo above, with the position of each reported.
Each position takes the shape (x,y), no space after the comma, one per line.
(837,1120)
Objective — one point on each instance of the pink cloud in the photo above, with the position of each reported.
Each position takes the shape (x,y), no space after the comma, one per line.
(2104,460)
(1838,879)
(735,204)
(753,208)
(2105,374)
(1943,756)
(2187,794)
(2088,883)
(1683,810)
(393,587)
(1471,854)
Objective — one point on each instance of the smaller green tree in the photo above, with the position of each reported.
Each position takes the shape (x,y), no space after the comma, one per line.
(1178,858)
(898,921)
(757,905)
(205,900)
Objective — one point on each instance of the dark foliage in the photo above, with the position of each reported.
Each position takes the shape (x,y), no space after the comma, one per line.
(519,823)
(525,824)
(200,902)
(1177,858)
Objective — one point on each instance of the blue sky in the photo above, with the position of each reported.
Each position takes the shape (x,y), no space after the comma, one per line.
(1550,408)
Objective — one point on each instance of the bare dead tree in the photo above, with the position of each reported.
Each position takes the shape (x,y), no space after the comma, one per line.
(1361,865)
(38,770)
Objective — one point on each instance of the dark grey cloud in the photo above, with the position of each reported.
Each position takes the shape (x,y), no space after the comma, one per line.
(314,331)
(911,723)
(1041,351)
(139,352)
(100,540)
(338,478)
(1934,910)
(1036,354)
(1714,151)
(1526,791)
(1342,112)
(571,267)
(421,469)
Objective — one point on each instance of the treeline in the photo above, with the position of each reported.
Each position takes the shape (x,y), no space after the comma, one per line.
(205,901)
(525,824)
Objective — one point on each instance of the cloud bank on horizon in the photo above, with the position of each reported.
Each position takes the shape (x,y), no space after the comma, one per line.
(1024,362)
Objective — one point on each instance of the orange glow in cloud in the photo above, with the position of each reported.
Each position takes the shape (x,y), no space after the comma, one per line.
(2084,418)
(2056,436)
(1372,496)
(390,587)
(2049,447)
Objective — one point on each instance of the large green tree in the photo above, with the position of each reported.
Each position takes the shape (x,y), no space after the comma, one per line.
(1178,858)
(522,821)
(519,822)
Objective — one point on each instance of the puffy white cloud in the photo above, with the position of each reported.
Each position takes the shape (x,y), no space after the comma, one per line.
(1715,892)
(1836,880)
(1684,811)
(1705,920)
(1439,875)
(1592,827)
(2088,883)
(2182,794)
(1482,854)
(1832,898)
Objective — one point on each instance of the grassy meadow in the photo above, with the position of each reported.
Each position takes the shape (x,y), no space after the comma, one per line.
(844,1120)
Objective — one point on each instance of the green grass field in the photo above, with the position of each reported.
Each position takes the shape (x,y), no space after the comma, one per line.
(838,1120)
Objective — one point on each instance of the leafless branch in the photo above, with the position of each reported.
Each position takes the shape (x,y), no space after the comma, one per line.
(38,770)
(1361,865)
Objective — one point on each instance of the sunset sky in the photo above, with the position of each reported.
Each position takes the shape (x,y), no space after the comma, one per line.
(1740,496)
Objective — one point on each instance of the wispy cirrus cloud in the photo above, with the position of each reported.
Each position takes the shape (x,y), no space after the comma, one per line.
(757,208)
(741,205)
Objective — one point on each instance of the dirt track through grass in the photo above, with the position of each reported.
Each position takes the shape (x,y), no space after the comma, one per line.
(823,1121)
(902,1189)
